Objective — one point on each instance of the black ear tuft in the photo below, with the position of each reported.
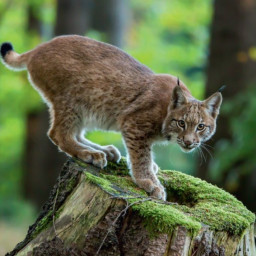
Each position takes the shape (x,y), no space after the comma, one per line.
(222,88)
(6,47)
(178,97)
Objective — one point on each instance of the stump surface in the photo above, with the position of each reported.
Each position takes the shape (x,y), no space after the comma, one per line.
(102,212)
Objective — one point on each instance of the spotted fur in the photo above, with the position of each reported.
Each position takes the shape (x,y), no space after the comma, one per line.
(194,114)
(91,85)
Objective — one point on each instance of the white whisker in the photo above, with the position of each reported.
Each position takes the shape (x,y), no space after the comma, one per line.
(202,154)
(207,145)
(207,150)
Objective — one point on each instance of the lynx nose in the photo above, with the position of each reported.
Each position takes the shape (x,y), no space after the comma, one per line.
(188,143)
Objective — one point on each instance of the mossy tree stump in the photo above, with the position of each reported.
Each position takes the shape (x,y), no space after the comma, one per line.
(102,212)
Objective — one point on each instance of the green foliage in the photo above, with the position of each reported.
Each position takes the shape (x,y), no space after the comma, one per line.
(16,211)
(240,158)
(171,37)
(107,138)
(16,98)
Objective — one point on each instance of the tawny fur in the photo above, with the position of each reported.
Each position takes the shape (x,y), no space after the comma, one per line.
(92,85)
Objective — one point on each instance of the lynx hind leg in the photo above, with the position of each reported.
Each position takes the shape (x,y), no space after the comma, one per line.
(63,134)
(111,151)
(141,168)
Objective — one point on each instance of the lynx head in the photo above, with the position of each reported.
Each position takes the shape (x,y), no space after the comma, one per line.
(190,122)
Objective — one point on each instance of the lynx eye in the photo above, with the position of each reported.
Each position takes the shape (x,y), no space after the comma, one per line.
(181,123)
(200,127)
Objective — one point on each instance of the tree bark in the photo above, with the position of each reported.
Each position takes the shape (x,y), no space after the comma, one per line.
(42,159)
(233,34)
(73,17)
(101,212)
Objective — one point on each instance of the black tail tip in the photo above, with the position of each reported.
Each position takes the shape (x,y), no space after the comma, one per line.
(6,47)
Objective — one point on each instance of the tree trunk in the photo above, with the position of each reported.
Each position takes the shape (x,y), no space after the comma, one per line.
(42,159)
(73,17)
(233,35)
(114,15)
(102,212)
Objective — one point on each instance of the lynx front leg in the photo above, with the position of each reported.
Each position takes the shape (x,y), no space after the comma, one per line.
(63,134)
(142,167)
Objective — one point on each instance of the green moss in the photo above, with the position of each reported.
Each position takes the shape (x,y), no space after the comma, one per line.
(217,217)
(192,189)
(103,183)
(80,162)
(207,203)
(43,224)
(117,168)
(114,179)
(115,185)
(165,218)
(125,183)
(198,202)
(70,185)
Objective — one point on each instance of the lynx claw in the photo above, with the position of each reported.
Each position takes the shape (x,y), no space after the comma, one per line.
(155,189)
(98,159)
(112,153)
(159,193)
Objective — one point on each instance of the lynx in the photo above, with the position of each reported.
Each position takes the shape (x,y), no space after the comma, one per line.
(92,85)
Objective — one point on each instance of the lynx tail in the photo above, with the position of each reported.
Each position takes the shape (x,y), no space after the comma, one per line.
(12,59)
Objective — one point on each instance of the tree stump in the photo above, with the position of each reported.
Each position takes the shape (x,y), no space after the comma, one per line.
(102,212)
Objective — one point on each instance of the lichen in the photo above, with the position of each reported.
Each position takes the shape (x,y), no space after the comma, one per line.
(197,202)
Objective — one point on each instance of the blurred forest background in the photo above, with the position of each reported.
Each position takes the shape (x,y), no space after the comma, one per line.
(205,43)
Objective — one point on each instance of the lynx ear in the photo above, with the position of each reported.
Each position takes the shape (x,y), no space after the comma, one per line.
(213,104)
(178,98)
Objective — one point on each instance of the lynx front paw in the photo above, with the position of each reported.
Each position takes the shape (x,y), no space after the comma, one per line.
(98,158)
(148,185)
(112,153)
(159,193)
